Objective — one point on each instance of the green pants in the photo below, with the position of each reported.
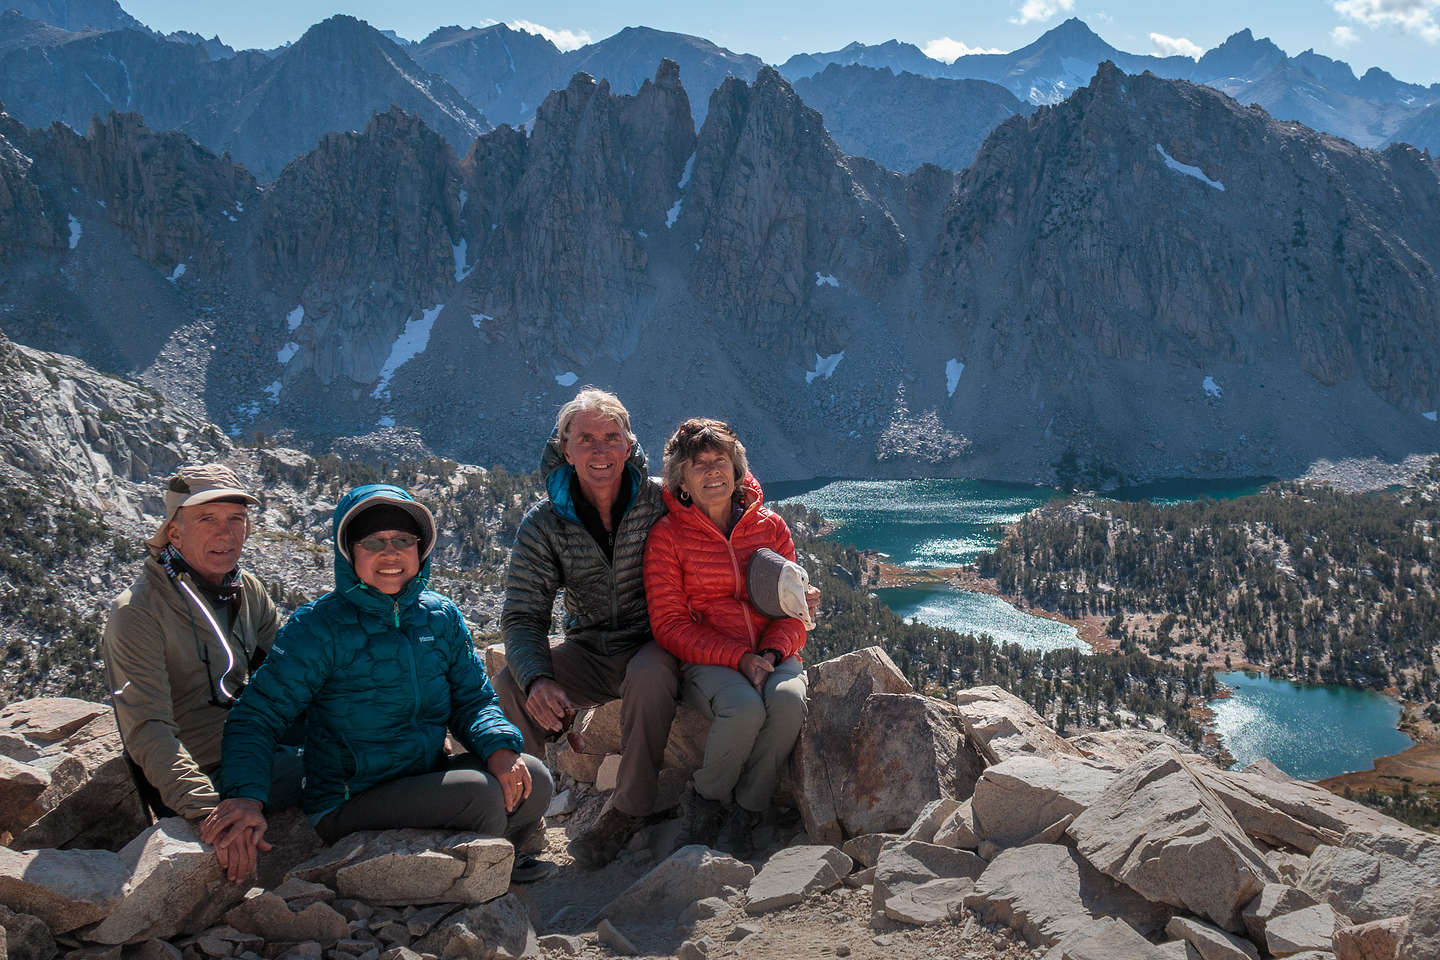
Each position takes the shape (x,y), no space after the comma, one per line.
(751,732)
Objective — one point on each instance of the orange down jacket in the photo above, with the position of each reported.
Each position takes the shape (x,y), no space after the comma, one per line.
(695,583)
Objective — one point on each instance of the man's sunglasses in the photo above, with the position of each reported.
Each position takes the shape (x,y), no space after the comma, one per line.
(401,541)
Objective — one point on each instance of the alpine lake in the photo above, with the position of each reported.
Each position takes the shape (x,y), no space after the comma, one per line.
(1310,731)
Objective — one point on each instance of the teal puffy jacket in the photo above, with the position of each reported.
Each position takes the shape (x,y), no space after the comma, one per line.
(379,680)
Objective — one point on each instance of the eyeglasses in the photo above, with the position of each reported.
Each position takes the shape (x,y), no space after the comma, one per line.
(401,541)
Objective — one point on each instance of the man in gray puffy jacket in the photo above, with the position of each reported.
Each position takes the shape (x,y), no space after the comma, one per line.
(589,538)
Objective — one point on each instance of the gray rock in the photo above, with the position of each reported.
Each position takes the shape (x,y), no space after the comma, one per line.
(865,849)
(606,933)
(266,915)
(1312,928)
(562,943)
(1212,943)
(838,691)
(1120,747)
(400,867)
(1105,938)
(702,909)
(399,953)
(958,830)
(1017,799)
(861,878)
(1292,813)
(695,949)
(1047,891)
(422,921)
(742,930)
(500,927)
(1273,900)
(795,874)
(928,821)
(157,950)
(907,864)
(1373,876)
(1376,940)
(1158,829)
(26,937)
(1175,950)
(65,889)
(20,786)
(934,901)
(1001,726)
(299,894)
(689,874)
(175,885)
(1422,934)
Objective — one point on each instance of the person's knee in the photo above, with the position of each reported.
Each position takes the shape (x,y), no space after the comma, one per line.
(739,706)
(787,705)
(651,677)
(478,801)
(542,785)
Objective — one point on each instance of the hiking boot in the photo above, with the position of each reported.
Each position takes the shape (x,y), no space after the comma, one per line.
(603,839)
(700,819)
(529,868)
(737,837)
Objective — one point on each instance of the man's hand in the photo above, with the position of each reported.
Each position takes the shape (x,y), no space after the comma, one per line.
(509,768)
(549,706)
(236,829)
(756,669)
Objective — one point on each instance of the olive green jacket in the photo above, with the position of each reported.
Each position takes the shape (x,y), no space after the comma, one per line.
(163,696)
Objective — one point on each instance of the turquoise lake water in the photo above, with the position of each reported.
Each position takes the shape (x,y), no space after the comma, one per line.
(969,611)
(1309,731)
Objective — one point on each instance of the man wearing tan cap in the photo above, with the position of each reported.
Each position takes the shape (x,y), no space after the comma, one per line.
(181,643)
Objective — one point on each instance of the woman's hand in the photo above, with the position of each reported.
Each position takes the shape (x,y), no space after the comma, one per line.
(756,669)
(508,767)
(236,829)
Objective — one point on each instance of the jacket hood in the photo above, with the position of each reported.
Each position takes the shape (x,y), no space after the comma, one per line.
(750,496)
(347,583)
(557,474)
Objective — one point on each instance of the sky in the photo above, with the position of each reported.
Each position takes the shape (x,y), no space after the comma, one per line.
(1400,36)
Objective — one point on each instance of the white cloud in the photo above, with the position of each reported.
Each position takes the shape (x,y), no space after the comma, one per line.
(1410,16)
(1343,36)
(564,39)
(1033,10)
(1176,46)
(948,51)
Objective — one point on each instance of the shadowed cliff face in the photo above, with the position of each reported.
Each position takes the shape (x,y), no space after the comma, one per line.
(1086,291)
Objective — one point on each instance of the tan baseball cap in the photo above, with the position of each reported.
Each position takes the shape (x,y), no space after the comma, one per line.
(192,486)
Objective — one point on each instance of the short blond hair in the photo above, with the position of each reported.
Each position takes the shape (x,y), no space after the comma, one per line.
(592,400)
(694,437)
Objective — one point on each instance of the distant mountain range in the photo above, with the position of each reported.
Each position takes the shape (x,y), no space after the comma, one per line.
(1145,280)
(70,61)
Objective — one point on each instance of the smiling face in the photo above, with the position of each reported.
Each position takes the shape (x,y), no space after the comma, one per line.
(389,569)
(709,480)
(597,447)
(209,536)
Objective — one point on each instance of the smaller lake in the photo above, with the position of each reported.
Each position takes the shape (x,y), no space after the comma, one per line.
(1310,732)
(968,611)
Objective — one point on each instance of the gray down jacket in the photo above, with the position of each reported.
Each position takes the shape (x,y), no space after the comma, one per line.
(604,603)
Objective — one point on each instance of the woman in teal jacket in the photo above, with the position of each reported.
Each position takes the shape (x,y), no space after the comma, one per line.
(381,668)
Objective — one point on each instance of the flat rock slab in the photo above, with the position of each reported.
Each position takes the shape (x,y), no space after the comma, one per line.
(1120,747)
(65,889)
(928,820)
(1422,934)
(47,719)
(1001,726)
(1046,891)
(20,786)
(1273,900)
(1105,938)
(796,874)
(91,800)
(398,867)
(691,873)
(1018,798)
(1290,813)
(267,915)
(1211,943)
(1312,928)
(1373,876)
(175,886)
(935,901)
(865,849)
(1159,830)
(958,830)
(499,928)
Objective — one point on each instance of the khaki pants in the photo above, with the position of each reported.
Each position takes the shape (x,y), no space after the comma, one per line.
(751,734)
(646,683)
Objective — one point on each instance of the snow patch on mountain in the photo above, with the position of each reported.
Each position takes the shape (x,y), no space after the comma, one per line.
(824,366)
(76,229)
(953,369)
(411,343)
(1188,170)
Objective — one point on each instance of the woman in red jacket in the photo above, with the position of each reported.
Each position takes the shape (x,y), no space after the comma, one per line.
(740,667)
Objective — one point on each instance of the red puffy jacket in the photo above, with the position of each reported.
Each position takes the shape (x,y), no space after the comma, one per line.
(695,583)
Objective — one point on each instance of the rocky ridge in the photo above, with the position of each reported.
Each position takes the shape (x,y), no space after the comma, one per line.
(1012,843)
(1089,256)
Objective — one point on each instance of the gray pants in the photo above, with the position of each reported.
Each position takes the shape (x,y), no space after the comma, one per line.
(751,734)
(464,796)
(646,683)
